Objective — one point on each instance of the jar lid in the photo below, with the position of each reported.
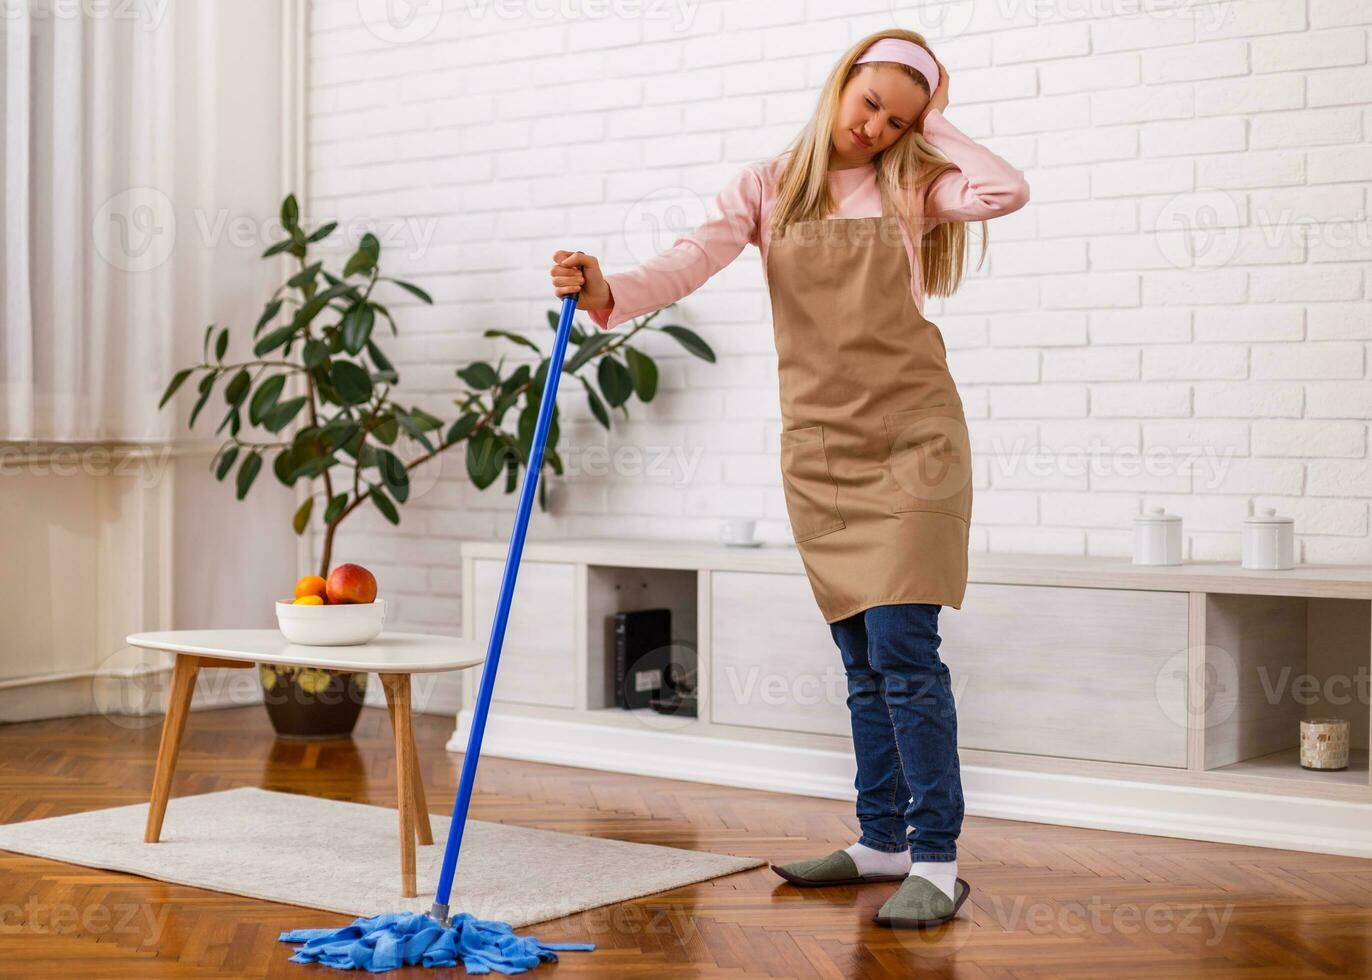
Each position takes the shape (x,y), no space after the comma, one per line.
(1157,514)
(1268,515)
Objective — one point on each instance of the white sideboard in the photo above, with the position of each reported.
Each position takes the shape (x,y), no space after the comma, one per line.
(1090,691)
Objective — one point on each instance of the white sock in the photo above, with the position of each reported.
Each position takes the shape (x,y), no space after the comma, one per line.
(870,861)
(941,873)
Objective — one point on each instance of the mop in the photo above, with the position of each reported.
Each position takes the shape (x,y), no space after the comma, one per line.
(392,940)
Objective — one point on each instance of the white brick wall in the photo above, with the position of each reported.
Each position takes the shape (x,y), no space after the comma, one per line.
(1180,316)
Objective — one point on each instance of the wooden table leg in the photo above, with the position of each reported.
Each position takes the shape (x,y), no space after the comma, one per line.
(423,828)
(173,725)
(398,701)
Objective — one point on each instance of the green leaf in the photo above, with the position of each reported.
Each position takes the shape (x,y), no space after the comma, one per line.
(278,248)
(393,474)
(387,429)
(316,353)
(485,458)
(335,508)
(643,370)
(387,314)
(364,259)
(226,462)
(416,429)
(290,212)
(357,327)
(385,371)
(279,416)
(414,291)
(301,520)
(384,505)
(305,277)
(339,432)
(221,345)
(273,340)
(588,350)
(597,406)
(264,398)
(248,472)
(525,341)
(177,380)
(322,233)
(615,381)
(479,375)
(311,309)
(206,386)
(205,344)
(461,428)
(237,389)
(268,314)
(517,379)
(691,341)
(352,382)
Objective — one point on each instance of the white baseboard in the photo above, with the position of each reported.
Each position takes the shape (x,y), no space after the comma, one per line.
(1194,813)
(136,693)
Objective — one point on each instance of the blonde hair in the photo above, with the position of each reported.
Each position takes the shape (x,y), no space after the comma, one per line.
(901,169)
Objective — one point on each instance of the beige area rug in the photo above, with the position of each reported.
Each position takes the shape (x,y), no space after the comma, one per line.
(345,857)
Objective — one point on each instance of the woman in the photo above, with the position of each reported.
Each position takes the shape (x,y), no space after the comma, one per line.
(862,215)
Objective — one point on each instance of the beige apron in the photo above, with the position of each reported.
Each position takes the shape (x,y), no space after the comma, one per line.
(875,455)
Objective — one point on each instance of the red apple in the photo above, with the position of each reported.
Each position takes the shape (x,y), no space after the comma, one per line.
(350,583)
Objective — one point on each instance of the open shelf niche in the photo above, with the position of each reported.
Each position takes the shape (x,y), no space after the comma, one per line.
(611,589)
(1271,661)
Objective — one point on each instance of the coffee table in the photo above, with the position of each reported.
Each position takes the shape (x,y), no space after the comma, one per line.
(392,655)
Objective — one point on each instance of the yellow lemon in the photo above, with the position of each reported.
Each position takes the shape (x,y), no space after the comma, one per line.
(309,600)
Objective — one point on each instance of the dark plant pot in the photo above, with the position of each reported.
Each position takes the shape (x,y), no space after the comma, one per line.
(308,703)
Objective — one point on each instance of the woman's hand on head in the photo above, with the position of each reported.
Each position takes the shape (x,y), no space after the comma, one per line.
(577,272)
(939,99)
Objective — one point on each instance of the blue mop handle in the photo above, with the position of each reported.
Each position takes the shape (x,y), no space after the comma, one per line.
(502,611)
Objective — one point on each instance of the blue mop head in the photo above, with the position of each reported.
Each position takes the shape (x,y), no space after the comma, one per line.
(396,939)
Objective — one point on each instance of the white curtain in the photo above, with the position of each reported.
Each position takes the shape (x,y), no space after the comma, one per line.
(101,176)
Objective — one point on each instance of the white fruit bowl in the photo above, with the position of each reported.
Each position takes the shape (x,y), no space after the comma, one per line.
(344,624)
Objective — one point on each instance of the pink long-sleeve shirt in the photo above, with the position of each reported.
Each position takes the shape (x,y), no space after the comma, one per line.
(980,185)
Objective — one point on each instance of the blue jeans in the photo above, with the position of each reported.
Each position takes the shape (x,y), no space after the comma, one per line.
(909,785)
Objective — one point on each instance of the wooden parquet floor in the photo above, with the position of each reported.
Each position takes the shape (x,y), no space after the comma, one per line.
(1046,902)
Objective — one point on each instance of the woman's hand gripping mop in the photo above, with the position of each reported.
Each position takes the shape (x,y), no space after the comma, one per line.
(392,940)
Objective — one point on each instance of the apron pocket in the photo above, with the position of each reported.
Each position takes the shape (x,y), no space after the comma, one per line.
(811,493)
(930,460)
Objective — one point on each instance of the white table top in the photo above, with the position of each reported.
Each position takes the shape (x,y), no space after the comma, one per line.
(389,653)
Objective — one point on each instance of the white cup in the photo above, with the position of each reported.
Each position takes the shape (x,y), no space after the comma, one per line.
(737,530)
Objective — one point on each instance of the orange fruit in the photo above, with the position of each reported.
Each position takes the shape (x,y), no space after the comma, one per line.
(311,585)
(309,600)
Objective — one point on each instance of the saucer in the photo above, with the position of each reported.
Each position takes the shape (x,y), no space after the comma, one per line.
(743,544)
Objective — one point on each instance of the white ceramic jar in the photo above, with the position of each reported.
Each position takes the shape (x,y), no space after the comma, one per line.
(1157,538)
(1269,541)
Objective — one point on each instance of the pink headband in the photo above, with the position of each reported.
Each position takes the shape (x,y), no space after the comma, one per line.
(903,53)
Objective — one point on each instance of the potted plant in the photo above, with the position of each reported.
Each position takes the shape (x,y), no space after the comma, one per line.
(338,426)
